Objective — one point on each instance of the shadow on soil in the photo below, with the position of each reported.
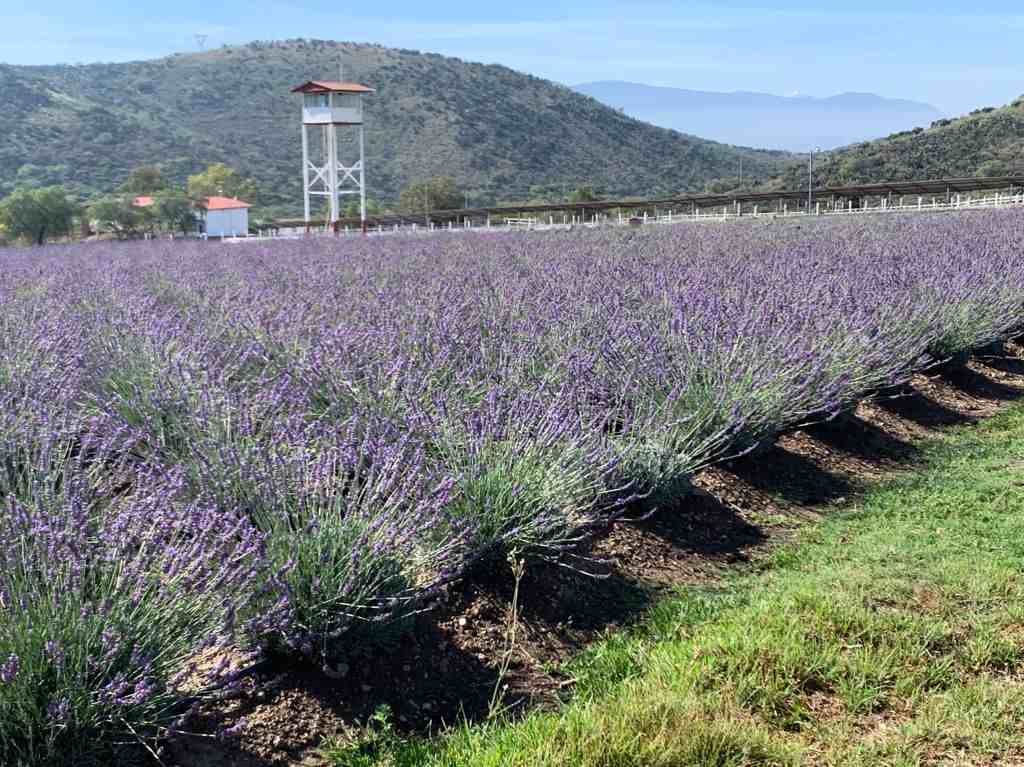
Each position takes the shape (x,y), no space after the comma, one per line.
(924,412)
(444,667)
(1004,363)
(791,477)
(852,435)
(703,526)
(975,384)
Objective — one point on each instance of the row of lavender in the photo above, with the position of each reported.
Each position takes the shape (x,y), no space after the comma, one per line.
(275,448)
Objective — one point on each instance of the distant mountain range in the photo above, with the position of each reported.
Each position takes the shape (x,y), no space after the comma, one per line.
(794,123)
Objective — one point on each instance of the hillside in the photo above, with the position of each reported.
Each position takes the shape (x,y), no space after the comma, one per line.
(764,119)
(987,142)
(496,131)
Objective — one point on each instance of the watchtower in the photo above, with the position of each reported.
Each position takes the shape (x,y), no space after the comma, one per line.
(328,107)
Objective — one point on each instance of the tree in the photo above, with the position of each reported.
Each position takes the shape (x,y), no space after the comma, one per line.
(119,216)
(174,212)
(37,214)
(725,185)
(219,180)
(584,194)
(352,209)
(992,168)
(437,194)
(145,180)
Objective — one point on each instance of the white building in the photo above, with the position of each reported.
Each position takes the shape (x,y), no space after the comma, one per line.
(224,217)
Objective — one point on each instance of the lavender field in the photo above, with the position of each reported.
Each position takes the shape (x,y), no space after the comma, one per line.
(211,454)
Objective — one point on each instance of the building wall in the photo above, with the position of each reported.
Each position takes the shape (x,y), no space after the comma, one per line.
(227,223)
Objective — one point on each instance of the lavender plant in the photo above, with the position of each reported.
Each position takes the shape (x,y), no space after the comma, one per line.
(107,597)
(339,427)
(357,527)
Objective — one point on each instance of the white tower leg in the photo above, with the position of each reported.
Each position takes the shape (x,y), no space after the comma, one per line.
(362,178)
(305,170)
(332,143)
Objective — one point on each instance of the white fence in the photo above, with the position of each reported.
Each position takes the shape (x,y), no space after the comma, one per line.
(726,213)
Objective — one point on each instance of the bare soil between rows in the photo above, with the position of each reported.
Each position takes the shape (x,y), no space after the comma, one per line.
(442,668)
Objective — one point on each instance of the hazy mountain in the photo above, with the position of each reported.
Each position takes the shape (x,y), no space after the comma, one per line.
(762,119)
(499,132)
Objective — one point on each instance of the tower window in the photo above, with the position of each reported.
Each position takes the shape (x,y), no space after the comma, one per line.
(346,101)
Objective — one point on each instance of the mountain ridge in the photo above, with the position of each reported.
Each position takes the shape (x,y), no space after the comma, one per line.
(501,134)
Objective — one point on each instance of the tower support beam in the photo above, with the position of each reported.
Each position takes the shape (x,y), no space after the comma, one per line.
(305,169)
(362,177)
(334,179)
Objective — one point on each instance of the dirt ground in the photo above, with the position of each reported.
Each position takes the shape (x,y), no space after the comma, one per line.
(443,667)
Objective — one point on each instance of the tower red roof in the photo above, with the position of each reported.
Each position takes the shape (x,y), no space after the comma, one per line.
(331,86)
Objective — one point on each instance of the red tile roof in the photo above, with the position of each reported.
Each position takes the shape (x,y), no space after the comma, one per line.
(223,203)
(142,202)
(331,86)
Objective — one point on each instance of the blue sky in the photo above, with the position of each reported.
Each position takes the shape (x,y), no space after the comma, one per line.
(957,56)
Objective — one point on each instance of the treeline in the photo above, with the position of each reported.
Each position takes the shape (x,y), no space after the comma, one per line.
(146,204)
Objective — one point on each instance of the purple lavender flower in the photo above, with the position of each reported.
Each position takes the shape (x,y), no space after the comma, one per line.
(9,669)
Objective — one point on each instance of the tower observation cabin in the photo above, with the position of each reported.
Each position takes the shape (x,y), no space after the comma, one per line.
(330,109)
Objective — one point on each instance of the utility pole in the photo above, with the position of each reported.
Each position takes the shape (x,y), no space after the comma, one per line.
(810,175)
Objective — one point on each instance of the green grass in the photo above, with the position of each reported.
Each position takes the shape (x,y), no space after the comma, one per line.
(890,634)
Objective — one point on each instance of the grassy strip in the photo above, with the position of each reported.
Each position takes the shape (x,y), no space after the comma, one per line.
(891,634)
